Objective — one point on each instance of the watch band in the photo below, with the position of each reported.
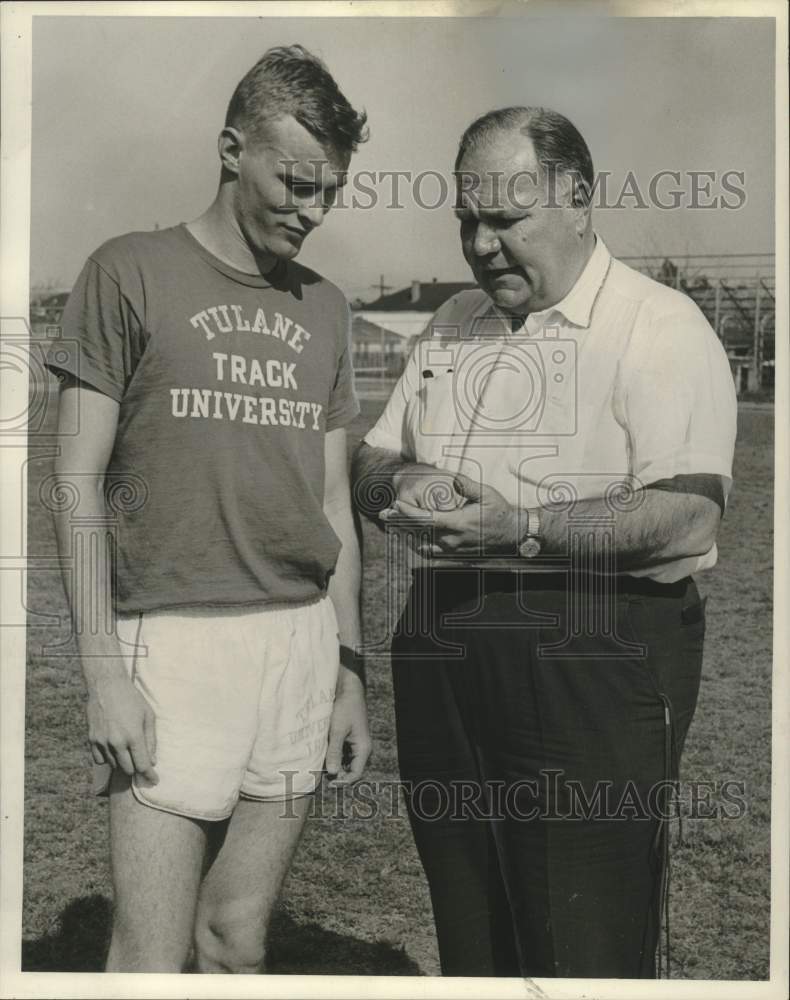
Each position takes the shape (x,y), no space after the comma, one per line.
(530,543)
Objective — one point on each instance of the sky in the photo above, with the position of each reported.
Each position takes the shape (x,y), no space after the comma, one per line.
(126,111)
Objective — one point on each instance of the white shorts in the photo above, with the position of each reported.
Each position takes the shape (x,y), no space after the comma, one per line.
(242,700)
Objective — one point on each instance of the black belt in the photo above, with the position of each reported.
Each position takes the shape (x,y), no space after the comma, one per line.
(527,578)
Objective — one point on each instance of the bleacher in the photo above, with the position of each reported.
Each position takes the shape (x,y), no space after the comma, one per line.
(737,293)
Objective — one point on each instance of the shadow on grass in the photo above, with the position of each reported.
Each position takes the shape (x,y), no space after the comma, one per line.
(80,942)
(80,945)
(309,949)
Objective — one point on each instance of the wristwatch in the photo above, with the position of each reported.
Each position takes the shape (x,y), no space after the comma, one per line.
(529,546)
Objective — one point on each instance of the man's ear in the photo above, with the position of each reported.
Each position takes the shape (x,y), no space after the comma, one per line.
(229,146)
(576,193)
(581,209)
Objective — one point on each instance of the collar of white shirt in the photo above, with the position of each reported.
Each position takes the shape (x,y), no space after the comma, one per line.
(577,305)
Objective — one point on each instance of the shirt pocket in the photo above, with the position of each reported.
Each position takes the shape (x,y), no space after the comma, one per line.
(432,418)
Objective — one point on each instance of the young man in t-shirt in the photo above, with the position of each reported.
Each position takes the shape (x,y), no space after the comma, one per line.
(212,385)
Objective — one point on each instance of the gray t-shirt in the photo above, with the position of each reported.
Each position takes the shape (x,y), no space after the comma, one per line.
(227,383)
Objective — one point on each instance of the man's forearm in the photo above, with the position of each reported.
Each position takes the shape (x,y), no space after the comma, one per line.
(637,529)
(84,538)
(650,528)
(345,585)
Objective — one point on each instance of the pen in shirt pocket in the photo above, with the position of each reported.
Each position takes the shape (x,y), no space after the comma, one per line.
(438,361)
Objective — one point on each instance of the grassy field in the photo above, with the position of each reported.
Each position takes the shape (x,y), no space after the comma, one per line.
(355,901)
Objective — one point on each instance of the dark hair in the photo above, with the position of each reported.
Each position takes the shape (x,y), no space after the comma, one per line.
(559,146)
(289,80)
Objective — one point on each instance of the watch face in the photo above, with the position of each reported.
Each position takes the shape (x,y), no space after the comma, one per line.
(529,548)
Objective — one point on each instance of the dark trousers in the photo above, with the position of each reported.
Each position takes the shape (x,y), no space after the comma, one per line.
(535,749)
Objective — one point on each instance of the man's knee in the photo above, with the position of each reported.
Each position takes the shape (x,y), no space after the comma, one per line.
(231,943)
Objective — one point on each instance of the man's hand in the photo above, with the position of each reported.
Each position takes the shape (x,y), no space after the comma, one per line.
(121,727)
(426,487)
(485,523)
(348,727)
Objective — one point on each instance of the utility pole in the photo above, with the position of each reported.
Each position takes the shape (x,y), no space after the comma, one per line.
(382,287)
(756,372)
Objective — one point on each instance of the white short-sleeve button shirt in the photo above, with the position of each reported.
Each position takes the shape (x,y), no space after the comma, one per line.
(622,382)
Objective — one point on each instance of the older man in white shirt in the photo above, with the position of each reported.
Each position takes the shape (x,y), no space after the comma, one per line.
(559,450)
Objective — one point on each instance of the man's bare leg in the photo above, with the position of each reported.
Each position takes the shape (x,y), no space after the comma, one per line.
(156,866)
(243,883)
